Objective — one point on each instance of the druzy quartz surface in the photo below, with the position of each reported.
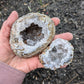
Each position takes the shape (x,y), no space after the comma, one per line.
(59,53)
(31,33)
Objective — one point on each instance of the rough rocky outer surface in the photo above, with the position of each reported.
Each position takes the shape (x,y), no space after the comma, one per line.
(71,14)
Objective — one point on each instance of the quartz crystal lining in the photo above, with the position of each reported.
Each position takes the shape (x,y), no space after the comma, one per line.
(31,33)
(58,54)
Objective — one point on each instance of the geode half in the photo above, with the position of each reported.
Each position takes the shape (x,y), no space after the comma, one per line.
(58,54)
(31,34)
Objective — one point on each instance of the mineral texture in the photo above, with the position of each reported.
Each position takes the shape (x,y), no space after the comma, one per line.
(58,54)
(31,34)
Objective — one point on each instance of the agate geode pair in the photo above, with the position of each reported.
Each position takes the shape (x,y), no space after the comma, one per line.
(32,34)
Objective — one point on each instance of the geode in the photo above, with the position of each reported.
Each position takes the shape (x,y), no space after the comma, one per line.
(31,34)
(58,54)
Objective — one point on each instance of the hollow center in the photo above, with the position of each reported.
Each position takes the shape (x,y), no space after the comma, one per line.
(58,53)
(32,34)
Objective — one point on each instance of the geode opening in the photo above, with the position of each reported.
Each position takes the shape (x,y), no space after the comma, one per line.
(59,53)
(32,34)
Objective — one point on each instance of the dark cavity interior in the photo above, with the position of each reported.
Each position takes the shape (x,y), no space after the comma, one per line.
(33,33)
(57,52)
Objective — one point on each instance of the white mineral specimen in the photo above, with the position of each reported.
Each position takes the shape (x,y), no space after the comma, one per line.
(59,53)
(31,33)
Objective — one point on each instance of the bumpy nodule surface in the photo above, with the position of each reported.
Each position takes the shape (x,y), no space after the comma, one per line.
(33,33)
(59,53)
